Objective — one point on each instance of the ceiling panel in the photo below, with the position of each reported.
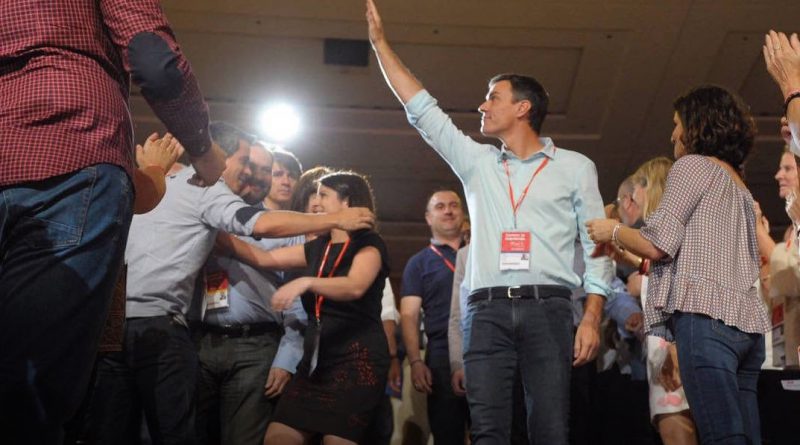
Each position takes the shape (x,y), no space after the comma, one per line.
(612,68)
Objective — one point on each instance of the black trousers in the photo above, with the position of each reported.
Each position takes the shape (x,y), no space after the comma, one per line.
(448,414)
(156,373)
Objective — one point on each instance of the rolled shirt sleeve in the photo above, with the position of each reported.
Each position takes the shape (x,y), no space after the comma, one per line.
(439,131)
(290,349)
(588,205)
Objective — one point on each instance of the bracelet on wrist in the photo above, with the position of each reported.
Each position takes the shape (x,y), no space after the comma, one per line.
(794,91)
(615,238)
(644,266)
(414,362)
(789,98)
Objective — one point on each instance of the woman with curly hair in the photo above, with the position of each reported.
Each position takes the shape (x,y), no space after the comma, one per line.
(702,241)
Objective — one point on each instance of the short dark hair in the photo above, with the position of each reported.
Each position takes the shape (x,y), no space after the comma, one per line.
(351,186)
(442,190)
(227,136)
(527,88)
(307,186)
(288,160)
(716,122)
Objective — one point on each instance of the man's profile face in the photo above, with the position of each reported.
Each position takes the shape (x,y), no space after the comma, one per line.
(500,110)
(237,168)
(261,175)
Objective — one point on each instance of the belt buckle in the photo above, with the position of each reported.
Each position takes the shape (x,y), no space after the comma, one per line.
(245,330)
(508,293)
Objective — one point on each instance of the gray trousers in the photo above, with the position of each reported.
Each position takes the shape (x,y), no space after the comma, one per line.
(231,406)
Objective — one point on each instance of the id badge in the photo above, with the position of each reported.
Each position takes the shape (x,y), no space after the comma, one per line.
(216,290)
(315,339)
(515,251)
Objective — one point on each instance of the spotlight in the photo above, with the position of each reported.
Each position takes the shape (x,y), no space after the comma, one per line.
(279,122)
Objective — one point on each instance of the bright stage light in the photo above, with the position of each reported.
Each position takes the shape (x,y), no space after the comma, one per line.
(279,122)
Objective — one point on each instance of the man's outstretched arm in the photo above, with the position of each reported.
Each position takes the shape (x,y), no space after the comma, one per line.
(402,83)
(280,224)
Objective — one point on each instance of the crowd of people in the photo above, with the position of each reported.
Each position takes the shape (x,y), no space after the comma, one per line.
(232,298)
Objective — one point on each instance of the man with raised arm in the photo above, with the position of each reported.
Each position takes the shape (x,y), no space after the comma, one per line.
(529,201)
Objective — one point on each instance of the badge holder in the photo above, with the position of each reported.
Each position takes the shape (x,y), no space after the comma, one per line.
(316,336)
(515,250)
(217,290)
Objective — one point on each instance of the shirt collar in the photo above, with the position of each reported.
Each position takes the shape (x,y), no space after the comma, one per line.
(437,244)
(549,150)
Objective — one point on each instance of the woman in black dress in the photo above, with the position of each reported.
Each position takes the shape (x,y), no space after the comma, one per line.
(342,375)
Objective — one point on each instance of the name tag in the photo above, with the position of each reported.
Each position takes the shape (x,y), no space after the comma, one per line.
(515,251)
(216,290)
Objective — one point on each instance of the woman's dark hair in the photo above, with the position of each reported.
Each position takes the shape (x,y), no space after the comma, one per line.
(351,186)
(307,186)
(716,123)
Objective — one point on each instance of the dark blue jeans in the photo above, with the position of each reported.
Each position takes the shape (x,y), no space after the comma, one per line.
(719,368)
(537,336)
(61,246)
(156,373)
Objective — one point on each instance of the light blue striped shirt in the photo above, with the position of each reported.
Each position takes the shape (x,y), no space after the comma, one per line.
(250,298)
(561,199)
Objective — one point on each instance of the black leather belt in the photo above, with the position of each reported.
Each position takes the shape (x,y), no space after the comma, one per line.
(514,292)
(242,330)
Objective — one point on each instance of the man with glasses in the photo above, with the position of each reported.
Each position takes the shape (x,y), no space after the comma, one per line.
(630,212)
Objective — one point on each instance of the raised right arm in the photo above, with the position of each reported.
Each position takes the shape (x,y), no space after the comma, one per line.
(402,83)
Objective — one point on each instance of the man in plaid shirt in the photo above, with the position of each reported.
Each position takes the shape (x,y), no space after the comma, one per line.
(65,188)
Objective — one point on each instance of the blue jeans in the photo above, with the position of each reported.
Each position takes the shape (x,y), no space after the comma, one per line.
(719,368)
(61,246)
(536,336)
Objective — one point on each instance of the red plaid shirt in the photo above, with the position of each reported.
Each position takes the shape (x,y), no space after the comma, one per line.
(64,86)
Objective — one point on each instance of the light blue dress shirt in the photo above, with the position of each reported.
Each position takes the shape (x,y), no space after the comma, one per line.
(561,199)
(250,298)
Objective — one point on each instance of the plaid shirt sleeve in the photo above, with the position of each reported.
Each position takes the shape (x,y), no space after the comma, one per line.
(183,110)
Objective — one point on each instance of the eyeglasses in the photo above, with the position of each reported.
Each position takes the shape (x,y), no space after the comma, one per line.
(618,201)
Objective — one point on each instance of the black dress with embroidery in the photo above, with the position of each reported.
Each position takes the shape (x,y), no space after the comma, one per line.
(340,396)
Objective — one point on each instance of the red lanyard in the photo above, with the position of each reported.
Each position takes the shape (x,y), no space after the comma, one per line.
(320,298)
(515,205)
(446,261)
